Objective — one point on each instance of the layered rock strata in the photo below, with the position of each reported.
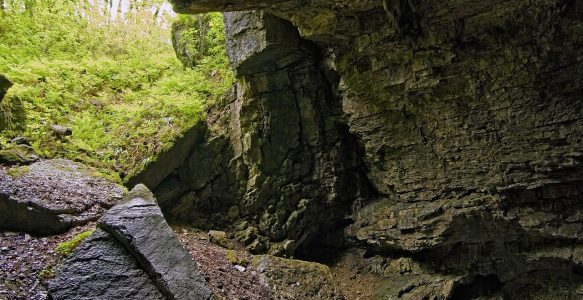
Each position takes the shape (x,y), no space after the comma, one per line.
(444,135)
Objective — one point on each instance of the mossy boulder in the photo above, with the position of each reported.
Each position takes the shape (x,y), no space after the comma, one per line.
(297,279)
(18,155)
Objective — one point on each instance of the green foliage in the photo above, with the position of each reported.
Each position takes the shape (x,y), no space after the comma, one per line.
(195,37)
(66,248)
(117,84)
(46,273)
(16,172)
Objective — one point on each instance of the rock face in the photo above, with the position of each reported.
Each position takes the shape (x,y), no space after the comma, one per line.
(51,196)
(5,84)
(443,133)
(101,259)
(275,159)
(135,255)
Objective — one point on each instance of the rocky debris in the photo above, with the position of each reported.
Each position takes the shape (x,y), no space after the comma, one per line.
(236,274)
(61,130)
(219,267)
(101,268)
(140,226)
(18,154)
(51,196)
(27,261)
(135,238)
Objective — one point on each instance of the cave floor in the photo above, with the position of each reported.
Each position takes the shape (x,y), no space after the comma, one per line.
(230,274)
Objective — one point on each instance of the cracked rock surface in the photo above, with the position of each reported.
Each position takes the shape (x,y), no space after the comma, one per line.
(52,196)
(134,255)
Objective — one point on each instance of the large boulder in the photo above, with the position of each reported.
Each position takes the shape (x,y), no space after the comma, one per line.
(51,196)
(101,268)
(296,279)
(144,245)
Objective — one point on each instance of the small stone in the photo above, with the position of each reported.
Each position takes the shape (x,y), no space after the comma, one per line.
(62,130)
(20,141)
(240,268)
(219,238)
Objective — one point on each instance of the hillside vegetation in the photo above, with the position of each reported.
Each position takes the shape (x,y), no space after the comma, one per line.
(110,74)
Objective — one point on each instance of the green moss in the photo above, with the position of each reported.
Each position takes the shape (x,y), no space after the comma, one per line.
(66,248)
(46,273)
(234,259)
(18,171)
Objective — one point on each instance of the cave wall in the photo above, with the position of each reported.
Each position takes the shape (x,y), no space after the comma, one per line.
(446,134)
(278,165)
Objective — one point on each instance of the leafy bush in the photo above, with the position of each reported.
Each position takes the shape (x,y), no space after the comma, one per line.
(116,83)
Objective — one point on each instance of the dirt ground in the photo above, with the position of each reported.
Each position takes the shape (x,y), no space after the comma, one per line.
(23,259)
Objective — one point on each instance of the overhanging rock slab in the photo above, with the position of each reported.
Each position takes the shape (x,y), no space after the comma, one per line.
(140,226)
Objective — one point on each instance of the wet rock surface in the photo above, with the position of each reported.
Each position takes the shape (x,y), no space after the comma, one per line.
(444,139)
(51,196)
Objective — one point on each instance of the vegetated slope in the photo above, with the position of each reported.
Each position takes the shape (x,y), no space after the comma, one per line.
(115,80)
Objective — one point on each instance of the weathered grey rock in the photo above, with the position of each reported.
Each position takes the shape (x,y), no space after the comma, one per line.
(61,130)
(101,268)
(20,140)
(51,196)
(259,42)
(139,225)
(296,279)
(20,154)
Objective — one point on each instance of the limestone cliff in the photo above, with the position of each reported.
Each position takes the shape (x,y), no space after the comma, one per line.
(441,137)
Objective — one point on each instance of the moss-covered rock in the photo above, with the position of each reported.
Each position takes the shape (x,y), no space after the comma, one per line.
(297,279)
(18,155)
